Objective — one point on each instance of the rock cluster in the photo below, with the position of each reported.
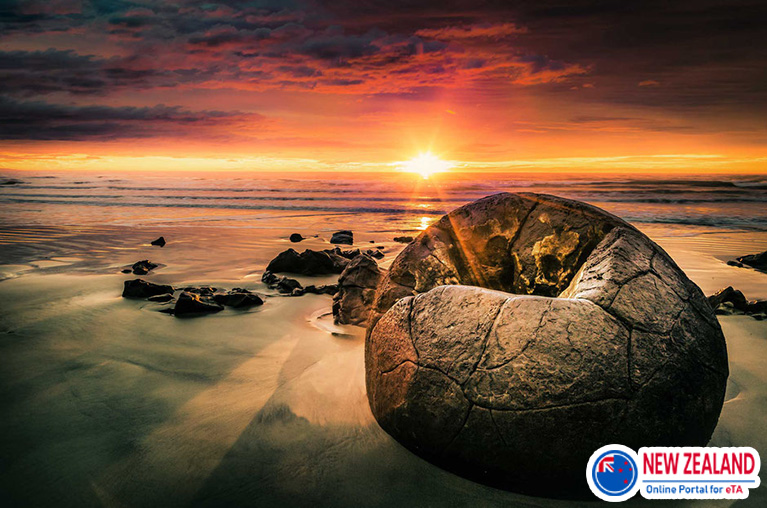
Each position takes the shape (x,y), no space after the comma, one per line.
(521,332)
(757,261)
(310,262)
(142,267)
(731,301)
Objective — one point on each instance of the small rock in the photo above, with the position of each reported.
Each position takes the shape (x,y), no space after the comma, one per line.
(160,242)
(758,261)
(127,270)
(139,288)
(11,181)
(324,289)
(166,297)
(269,278)
(296,237)
(732,262)
(286,285)
(375,253)
(380,247)
(238,299)
(403,239)
(728,295)
(297,292)
(143,267)
(344,236)
(190,303)
(309,262)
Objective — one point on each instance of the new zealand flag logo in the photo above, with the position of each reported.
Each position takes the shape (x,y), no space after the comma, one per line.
(614,473)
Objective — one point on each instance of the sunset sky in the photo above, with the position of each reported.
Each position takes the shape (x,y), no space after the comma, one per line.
(358,85)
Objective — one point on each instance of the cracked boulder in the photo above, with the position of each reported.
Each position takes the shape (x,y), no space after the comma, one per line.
(522,332)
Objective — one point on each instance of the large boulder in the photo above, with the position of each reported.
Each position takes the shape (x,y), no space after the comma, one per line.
(356,291)
(522,332)
(308,262)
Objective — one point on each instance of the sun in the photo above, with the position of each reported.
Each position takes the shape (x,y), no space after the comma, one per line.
(426,164)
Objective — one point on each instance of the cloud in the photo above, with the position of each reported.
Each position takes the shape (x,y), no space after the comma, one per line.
(37,120)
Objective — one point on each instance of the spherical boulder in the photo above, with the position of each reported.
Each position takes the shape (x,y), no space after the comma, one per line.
(521,332)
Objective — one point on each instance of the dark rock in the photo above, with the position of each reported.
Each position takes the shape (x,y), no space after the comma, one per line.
(380,247)
(161,298)
(160,242)
(356,291)
(557,328)
(269,278)
(729,301)
(296,237)
(127,270)
(11,181)
(202,290)
(403,239)
(735,263)
(139,288)
(348,254)
(308,262)
(728,294)
(325,289)
(343,237)
(191,303)
(375,253)
(758,261)
(143,267)
(297,292)
(238,298)
(286,285)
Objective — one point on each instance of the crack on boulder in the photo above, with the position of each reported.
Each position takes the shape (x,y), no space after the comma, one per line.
(486,341)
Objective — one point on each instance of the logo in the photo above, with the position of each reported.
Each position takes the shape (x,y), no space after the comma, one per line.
(612,473)
(616,473)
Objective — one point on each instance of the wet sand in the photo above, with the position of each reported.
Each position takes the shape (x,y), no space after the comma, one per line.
(107,402)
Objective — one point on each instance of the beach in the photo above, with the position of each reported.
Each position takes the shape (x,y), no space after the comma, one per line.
(108,402)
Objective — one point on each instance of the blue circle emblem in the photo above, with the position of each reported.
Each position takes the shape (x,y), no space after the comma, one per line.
(614,473)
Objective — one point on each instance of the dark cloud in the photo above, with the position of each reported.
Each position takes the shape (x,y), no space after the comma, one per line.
(685,56)
(39,120)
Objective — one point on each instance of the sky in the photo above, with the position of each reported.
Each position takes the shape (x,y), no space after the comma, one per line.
(358,85)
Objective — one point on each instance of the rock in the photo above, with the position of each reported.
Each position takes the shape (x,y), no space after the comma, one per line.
(728,294)
(191,303)
(296,237)
(238,299)
(729,301)
(356,291)
(143,267)
(377,254)
(166,297)
(758,261)
(380,247)
(297,292)
(11,181)
(139,288)
(403,239)
(344,237)
(288,286)
(202,290)
(308,262)
(735,263)
(269,278)
(521,332)
(348,254)
(127,270)
(324,289)
(160,242)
